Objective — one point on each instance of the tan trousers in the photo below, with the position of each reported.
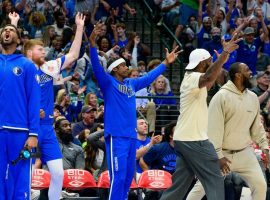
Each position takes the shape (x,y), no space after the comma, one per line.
(150,113)
(247,166)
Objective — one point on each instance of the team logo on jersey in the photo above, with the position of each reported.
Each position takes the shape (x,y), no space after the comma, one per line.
(37,78)
(126,90)
(17,71)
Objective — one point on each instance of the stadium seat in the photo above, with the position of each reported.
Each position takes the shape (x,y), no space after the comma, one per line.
(78,179)
(40,179)
(104,181)
(155,180)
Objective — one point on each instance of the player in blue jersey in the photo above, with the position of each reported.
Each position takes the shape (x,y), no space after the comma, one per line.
(48,144)
(19,116)
(120,114)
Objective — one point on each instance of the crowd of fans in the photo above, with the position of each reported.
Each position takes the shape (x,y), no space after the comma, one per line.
(78,110)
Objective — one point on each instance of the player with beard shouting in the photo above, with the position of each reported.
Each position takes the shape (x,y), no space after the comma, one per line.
(19,116)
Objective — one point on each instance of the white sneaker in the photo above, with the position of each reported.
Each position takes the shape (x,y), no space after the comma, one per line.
(66,194)
(35,194)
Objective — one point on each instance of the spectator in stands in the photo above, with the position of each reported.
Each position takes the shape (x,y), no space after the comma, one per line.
(152,65)
(7,8)
(89,21)
(266,47)
(67,36)
(36,24)
(73,157)
(253,22)
(248,48)
(144,106)
(68,110)
(60,21)
(88,118)
(160,156)
(265,7)
(222,19)
(144,143)
(106,5)
(188,38)
(104,44)
(215,42)
(204,32)
(187,8)
(48,37)
(262,89)
(55,50)
(233,55)
(92,100)
(170,11)
(160,87)
(130,59)
(141,68)
(263,60)
(76,93)
(95,141)
(95,155)
(112,20)
(141,49)
(166,107)
(121,39)
(84,68)
(56,111)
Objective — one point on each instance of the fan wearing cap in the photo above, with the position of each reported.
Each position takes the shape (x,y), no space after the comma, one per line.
(248,48)
(215,42)
(196,155)
(88,121)
(262,89)
(120,114)
(204,33)
(233,55)
(19,116)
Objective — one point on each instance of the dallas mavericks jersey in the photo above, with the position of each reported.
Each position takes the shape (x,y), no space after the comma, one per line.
(47,72)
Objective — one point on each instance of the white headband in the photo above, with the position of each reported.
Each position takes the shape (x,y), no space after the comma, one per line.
(115,64)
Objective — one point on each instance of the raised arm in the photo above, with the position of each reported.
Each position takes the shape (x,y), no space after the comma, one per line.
(14,18)
(211,74)
(101,75)
(265,32)
(74,51)
(200,13)
(229,13)
(147,79)
(242,26)
(20,6)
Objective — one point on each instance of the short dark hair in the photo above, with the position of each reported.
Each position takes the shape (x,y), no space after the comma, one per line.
(58,122)
(17,31)
(168,131)
(234,68)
